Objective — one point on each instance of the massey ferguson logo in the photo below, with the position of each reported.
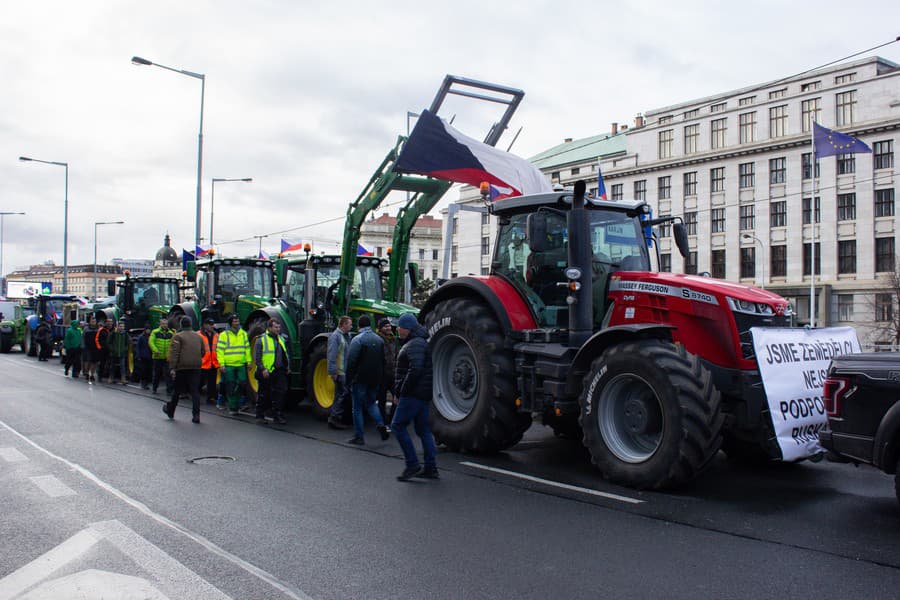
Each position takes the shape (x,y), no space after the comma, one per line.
(779,310)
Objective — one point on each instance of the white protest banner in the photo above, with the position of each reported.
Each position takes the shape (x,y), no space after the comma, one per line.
(793,363)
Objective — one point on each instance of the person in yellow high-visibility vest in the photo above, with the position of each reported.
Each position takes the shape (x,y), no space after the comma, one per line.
(273,366)
(233,353)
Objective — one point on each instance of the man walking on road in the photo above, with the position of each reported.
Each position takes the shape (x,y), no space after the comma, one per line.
(102,344)
(386,333)
(72,347)
(413,386)
(119,342)
(233,352)
(144,358)
(210,367)
(272,362)
(89,348)
(160,340)
(365,362)
(185,357)
(338,346)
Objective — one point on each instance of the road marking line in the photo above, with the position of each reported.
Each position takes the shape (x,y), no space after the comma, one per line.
(564,486)
(45,565)
(270,579)
(12,455)
(52,486)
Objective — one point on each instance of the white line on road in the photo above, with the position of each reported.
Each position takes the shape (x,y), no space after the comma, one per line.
(557,484)
(12,455)
(270,579)
(52,486)
(46,564)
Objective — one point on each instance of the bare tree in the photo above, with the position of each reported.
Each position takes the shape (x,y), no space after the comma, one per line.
(885,306)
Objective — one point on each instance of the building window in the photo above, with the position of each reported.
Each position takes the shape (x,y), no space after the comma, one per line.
(616,190)
(666,142)
(692,139)
(818,251)
(640,189)
(485,220)
(454,253)
(421,253)
(805,160)
(778,257)
(665,263)
(718,107)
(691,114)
(434,274)
(717,179)
(664,230)
(576,170)
(778,121)
(717,264)
(778,213)
(485,246)
(846,164)
(455,225)
(883,154)
(777,93)
(884,203)
(665,119)
(747,175)
(811,86)
(747,101)
(748,217)
(717,220)
(884,255)
(884,307)
(717,133)
(777,170)
(434,255)
(845,307)
(811,110)
(664,187)
(690,183)
(554,175)
(847,256)
(807,208)
(748,262)
(747,132)
(845,108)
(846,207)
(690,263)
(690,222)
(845,78)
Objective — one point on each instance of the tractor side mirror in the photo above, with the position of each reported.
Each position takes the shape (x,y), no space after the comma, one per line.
(681,238)
(280,271)
(191,268)
(536,232)
(111,287)
(413,270)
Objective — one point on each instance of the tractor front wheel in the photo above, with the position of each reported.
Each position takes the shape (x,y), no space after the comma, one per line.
(650,414)
(28,345)
(319,385)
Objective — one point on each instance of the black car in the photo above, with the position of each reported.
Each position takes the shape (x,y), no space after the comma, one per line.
(862,399)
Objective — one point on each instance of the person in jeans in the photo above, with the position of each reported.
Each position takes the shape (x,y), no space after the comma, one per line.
(365,362)
(72,346)
(273,366)
(412,383)
(338,346)
(185,357)
(119,343)
(144,356)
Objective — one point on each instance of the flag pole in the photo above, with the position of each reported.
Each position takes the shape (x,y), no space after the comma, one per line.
(812,244)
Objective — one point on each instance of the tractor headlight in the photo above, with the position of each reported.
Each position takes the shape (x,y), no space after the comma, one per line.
(748,307)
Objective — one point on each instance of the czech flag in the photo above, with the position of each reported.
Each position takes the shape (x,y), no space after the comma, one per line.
(361,251)
(201,251)
(263,255)
(288,246)
(436,149)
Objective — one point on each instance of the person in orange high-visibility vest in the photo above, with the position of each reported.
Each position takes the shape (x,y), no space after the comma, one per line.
(210,366)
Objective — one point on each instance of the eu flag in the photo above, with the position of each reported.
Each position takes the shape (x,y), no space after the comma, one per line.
(832,143)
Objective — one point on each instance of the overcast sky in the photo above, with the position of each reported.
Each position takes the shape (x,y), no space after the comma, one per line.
(307,98)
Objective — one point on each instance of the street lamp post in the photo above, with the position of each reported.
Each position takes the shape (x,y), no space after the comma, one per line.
(95,249)
(212,202)
(65,218)
(3,214)
(756,240)
(143,61)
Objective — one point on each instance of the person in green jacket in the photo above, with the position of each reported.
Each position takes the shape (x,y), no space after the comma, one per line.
(160,340)
(72,348)
(233,352)
(119,343)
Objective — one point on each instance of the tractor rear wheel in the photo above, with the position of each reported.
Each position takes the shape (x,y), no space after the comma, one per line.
(319,385)
(474,380)
(28,345)
(650,414)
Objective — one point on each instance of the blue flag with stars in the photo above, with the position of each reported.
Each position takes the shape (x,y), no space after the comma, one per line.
(832,143)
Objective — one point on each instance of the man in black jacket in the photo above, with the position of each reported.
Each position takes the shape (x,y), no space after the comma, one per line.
(413,386)
(365,362)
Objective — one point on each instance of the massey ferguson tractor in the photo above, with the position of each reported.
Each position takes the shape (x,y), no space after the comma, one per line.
(652,371)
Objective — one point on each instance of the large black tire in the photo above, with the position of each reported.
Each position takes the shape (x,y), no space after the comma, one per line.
(474,380)
(319,386)
(897,480)
(651,416)
(28,345)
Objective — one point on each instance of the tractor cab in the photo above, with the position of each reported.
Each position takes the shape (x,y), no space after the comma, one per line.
(234,285)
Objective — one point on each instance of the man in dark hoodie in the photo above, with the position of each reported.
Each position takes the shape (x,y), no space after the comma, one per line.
(413,386)
(365,361)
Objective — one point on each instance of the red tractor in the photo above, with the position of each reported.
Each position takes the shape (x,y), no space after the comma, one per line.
(652,371)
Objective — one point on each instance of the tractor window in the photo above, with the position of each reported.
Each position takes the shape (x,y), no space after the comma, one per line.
(55,309)
(200,290)
(618,240)
(512,249)
(326,276)
(243,280)
(147,294)
(367,282)
(295,288)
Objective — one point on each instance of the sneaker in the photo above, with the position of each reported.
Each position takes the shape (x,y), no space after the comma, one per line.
(166,412)
(195,420)
(220,406)
(233,413)
(279,420)
(429,473)
(409,472)
(356,441)
(384,432)
(333,424)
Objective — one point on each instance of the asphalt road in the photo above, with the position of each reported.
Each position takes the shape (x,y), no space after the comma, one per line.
(99,494)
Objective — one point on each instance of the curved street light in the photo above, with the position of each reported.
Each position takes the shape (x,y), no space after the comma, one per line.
(212,202)
(65,217)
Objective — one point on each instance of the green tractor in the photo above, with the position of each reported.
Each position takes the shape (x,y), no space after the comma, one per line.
(53,309)
(140,301)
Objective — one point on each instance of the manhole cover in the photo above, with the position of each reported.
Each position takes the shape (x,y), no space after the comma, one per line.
(206,460)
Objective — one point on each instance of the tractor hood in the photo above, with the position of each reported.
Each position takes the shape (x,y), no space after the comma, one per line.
(386,308)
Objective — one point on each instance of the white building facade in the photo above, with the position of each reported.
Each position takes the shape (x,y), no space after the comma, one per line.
(424,245)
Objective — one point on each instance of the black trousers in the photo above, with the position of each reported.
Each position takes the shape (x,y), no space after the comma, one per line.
(145,369)
(187,381)
(212,392)
(271,392)
(45,350)
(73,361)
(161,373)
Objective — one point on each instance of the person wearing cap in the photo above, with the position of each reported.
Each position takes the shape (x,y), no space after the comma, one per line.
(365,362)
(209,370)
(412,382)
(89,349)
(338,346)
(386,333)
(233,354)
(184,358)
(72,348)
(144,356)
(273,366)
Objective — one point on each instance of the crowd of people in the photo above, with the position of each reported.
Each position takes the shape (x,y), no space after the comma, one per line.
(367,369)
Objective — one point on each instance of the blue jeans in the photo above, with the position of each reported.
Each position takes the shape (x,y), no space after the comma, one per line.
(415,411)
(364,399)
